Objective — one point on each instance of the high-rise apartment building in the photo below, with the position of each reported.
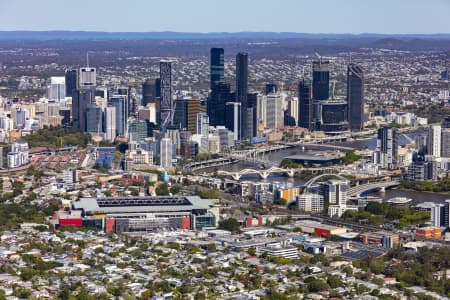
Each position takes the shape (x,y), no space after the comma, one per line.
(386,153)
(445,137)
(434,141)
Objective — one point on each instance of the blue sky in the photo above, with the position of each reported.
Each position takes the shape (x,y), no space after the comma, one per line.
(312,16)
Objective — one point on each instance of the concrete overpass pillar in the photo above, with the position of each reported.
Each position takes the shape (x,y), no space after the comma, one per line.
(236,176)
(264,175)
(383,190)
(290,173)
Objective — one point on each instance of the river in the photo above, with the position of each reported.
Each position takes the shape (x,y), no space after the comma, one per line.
(418,197)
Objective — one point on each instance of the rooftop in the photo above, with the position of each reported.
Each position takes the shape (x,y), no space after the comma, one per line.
(140,204)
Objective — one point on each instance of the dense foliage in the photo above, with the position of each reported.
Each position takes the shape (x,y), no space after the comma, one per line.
(350,157)
(208,194)
(413,268)
(442,185)
(290,164)
(381,213)
(12,215)
(230,224)
(57,137)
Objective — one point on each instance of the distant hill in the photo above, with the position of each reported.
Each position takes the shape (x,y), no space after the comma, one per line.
(98,35)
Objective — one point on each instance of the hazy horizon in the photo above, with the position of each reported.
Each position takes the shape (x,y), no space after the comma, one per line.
(203,16)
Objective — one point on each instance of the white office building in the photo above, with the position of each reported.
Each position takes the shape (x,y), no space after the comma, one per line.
(110,123)
(166,153)
(274,113)
(57,89)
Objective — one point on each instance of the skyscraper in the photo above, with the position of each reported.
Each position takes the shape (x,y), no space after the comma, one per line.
(434,141)
(194,106)
(166,152)
(252,114)
(88,77)
(57,88)
(242,90)
(94,119)
(233,115)
(220,94)
(202,128)
(180,112)
(321,79)
(80,100)
(445,137)
(165,72)
(305,105)
(355,97)
(109,123)
(148,92)
(120,103)
(386,154)
(216,66)
(293,112)
(274,114)
(71,82)
(202,124)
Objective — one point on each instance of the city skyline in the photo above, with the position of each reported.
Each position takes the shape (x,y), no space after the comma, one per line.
(417,17)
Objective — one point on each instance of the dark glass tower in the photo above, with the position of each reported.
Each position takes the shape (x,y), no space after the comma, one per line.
(148,92)
(242,90)
(252,106)
(80,100)
(217,65)
(220,95)
(305,105)
(71,82)
(321,79)
(355,97)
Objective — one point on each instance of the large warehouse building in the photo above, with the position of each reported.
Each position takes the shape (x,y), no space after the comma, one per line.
(142,214)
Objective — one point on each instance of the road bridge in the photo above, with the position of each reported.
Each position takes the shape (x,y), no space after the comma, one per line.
(197,165)
(264,173)
(359,189)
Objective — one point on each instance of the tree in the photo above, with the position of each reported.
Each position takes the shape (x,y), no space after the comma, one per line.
(117,157)
(230,224)
(174,189)
(317,285)
(279,201)
(208,194)
(162,189)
